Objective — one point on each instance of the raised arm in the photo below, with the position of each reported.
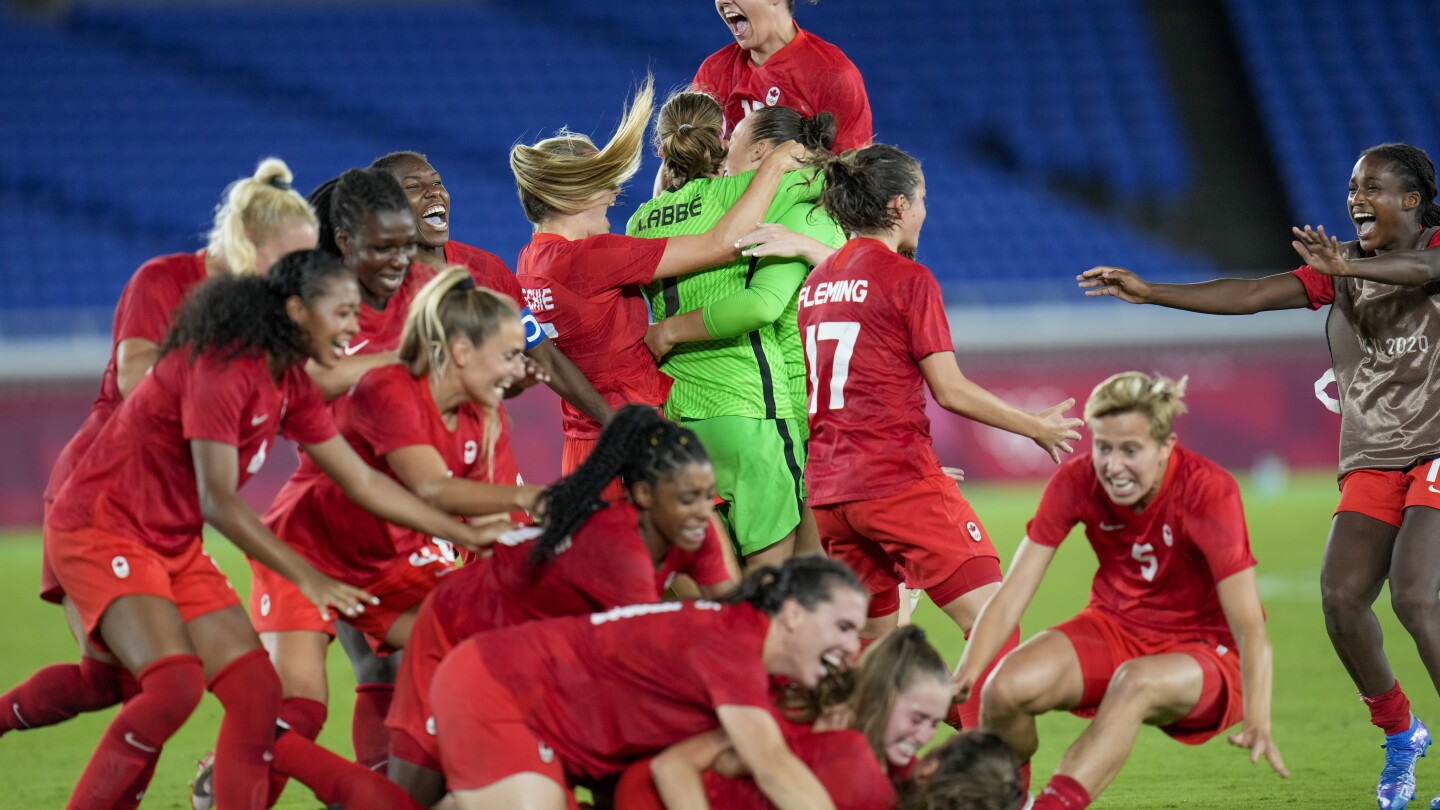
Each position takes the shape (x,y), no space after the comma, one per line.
(1406,268)
(1221,296)
(779,774)
(1050,428)
(133,359)
(568,381)
(377,494)
(421,469)
(1240,600)
(217,473)
(1001,615)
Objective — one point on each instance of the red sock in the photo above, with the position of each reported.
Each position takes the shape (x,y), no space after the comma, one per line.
(967,714)
(1063,793)
(249,690)
(1024,770)
(58,693)
(170,688)
(302,717)
(335,780)
(367,728)
(1390,711)
(136,791)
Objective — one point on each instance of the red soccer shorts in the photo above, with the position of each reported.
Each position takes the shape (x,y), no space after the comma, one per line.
(1386,494)
(573,454)
(481,728)
(278,606)
(412,734)
(96,567)
(50,589)
(1103,645)
(921,536)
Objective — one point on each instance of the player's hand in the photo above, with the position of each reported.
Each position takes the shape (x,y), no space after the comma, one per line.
(533,374)
(1114,281)
(1057,430)
(1257,741)
(1320,252)
(962,684)
(658,340)
(325,592)
(771,239)
(789,155)
(480,533)
(953,473)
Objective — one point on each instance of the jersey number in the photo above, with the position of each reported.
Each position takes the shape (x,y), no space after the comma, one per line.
(1144,553)
(845,334)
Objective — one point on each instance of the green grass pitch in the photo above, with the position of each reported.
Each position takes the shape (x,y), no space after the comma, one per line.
(1322,729)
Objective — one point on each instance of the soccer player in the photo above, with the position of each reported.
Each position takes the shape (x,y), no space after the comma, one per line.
(260,220)
(1383,325)
(585,557)
(622,685)
(124,534)
(1174,635)
(724,353)
(582,282)
(429,423)
(430,202)
(875,337)
(773,62)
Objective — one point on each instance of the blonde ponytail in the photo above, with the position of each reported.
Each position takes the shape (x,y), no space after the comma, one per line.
(255,208)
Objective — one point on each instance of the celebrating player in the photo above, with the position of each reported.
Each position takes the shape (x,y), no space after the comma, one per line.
(625,684)
(260,220)
(1384,320)
(772,62)
(124,533)
(586,557)
(1174,635)
(731,382)
(582,282)
(875,336)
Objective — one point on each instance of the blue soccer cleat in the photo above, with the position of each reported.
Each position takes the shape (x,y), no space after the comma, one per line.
(1397,780)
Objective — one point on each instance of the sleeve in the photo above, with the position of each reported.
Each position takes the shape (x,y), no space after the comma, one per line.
(707,565)
(927,329)
(608,578)
(307,420)
(1319,288)
(534,332)
(845,765)
(1057,513)
(610,261)
(147,303)
(214,398)
(846,99)
(385,416)
(1216,525)
(796,187)
(775,282)
(731,676)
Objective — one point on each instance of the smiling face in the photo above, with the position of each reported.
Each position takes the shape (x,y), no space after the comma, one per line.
(330,321)
(379,253)
(743,154)
(679,507)
(1385,215)
(917,712)
(487,370)
(755,23)
(822,639)
(1129,462)
(429,200)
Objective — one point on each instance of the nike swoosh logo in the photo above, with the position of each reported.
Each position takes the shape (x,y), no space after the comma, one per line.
(259,420)
(130,739)
(351,349)
(1110,527)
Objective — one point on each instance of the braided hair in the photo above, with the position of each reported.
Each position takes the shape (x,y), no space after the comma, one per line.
(1417,173)
(344,203)
(808,580)
(320,200)
(638,445)
(245,315)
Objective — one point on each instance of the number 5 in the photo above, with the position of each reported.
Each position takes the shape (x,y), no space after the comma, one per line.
(845,333)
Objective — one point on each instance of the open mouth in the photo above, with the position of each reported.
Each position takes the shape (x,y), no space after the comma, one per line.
(437,217)
(739,23)
(1364,223)
(1122,487)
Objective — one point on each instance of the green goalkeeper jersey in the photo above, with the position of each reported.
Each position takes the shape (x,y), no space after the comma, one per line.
(745,375)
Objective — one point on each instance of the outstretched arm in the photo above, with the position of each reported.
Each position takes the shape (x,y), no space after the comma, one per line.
(1221,296)
(1406,268)
(1240,600)
(567,381)
(339,378)
(955,392)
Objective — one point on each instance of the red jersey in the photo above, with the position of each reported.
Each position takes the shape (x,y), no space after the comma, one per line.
(146,304)
(487,269)
(808,75)
(139,477)
(387,410)
(841,760)
(611,688)
(1159,567)
(586,296)
(868,317)
(380,328)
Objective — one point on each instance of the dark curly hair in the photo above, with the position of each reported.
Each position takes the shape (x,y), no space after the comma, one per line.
(974,770)
(638,445)
(344,203)
(245,315)
(1417,173)
(809,580)
(860,184)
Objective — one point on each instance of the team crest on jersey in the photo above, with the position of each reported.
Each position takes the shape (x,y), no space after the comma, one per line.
(120,566)
(265,604)
(773,97)
(974,529)
(1167,535)
(547,754)
(430,725)
(471,451)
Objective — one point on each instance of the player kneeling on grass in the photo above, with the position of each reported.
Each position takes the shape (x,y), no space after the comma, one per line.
(1174,635)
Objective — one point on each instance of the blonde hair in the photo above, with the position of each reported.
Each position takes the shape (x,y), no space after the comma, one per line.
(254,209)
(560,175)
(1161,399)
(448,306)
(687,133)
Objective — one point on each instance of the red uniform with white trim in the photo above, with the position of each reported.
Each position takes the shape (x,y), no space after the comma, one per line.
(605,565)
(150,297)
(136,486)
(587,695)
(1155,590)
(868,317)
(808,75)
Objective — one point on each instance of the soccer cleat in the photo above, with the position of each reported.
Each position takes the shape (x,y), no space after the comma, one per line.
(202,787)
(1397,780)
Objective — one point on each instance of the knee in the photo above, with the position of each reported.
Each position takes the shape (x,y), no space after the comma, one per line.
(1414,603)
(1343,600)
(1003,694)
(1133,683)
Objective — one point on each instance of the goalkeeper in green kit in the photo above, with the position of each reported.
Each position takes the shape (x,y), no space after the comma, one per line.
(728,335)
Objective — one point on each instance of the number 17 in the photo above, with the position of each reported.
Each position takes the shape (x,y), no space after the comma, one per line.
(844,333)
